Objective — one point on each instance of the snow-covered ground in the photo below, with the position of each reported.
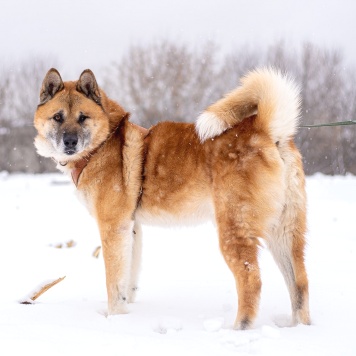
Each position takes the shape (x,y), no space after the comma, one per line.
(186,303)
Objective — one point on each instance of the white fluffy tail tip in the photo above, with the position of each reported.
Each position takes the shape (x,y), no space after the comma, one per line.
(208,125)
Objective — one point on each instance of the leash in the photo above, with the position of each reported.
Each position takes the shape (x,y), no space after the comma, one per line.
(338,123)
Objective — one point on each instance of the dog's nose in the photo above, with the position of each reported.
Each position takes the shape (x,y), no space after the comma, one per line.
(70,140)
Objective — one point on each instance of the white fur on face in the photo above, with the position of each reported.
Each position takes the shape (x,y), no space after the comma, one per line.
(53,148)
(44,147)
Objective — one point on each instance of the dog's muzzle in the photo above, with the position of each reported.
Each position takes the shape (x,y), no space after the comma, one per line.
(70,141)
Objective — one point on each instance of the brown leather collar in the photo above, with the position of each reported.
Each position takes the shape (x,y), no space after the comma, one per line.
(82,163)
(78,168)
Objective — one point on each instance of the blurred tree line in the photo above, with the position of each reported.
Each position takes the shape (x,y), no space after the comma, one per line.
(170,81)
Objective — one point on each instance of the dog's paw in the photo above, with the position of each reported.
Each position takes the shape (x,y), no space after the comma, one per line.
(119,308)
(243,324)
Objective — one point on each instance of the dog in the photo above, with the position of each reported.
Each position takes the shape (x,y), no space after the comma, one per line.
(236,165)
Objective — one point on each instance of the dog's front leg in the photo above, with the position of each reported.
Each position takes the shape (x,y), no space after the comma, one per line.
(136,262)
(117,243)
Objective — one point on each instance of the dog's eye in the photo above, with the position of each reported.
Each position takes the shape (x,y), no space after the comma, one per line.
(58,117)
(82,118)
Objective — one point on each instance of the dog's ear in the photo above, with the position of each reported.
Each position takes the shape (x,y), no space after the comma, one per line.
(52,84)
(88,86)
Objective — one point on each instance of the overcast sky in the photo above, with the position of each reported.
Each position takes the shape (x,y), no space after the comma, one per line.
(81,34)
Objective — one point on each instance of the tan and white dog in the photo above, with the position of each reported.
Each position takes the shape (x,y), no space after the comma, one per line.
(237,165)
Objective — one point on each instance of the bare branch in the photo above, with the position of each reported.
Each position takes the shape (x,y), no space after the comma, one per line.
(40,290)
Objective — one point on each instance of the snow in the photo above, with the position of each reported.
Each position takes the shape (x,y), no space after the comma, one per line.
(186,301)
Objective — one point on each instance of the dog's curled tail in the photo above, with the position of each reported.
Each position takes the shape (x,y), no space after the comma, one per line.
(272,96)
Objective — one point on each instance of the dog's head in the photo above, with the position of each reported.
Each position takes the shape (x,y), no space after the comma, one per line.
(73,118)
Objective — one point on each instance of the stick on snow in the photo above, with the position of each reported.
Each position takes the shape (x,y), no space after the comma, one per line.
(40,290)
(97,252)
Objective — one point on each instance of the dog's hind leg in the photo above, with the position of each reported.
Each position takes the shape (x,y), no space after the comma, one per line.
(136,262)
(287,247)
(247,198)
(239,247)
(287,240)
